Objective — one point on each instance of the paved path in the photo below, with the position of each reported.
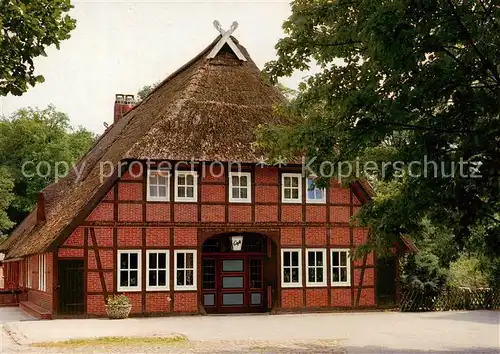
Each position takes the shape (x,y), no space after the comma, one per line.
(371,332)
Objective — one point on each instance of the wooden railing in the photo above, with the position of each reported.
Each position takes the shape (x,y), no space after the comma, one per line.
(416,300)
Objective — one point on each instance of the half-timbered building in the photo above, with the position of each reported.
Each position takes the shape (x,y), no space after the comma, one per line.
(174,207)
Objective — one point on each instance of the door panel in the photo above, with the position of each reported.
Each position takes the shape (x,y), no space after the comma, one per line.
(71,287)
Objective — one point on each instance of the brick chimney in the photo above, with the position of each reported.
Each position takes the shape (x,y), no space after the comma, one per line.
(123,104)
(40,210)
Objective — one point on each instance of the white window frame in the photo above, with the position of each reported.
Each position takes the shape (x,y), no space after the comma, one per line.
(348,266)
(138,287)
(291,175)
(325,275)
(194,268)
(151,198)
(42,272)
(195,186)
(167,270)
(29,274)
(248,187)
(297,284)
(314,201)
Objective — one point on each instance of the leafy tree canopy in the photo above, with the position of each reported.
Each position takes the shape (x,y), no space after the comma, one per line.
(401,81)
(28,28)
(33,142)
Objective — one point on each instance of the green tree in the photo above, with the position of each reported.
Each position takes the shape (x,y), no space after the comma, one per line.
(28,28)
(6,197)
(146,90)
(402,80)
(32,143)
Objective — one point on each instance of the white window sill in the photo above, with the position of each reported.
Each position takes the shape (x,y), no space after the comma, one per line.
(157,288)
(185,288)
(157,199)
(240,201)
(341,285)
(292,201)
(315,201)
(128,289)
(291,285)
(316,285)
(186,200)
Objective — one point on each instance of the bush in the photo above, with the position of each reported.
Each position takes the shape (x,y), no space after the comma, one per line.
(118,300)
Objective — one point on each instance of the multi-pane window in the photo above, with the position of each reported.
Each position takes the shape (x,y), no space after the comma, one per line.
(291,265)
(42,272)
(186,186)
(341,267)
(239,187)
(157,266)
(129,270)
(158,185)
(315,195)
(28,273)
(291,188)
(185,270)
(316,270)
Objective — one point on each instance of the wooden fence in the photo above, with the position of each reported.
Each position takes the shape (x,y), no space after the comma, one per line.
(416,300)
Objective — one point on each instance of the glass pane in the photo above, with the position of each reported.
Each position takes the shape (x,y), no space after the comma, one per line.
(180,260)
(295,275)
(181,192)
(311,195)
(124,261)
(295,182)
(232,265)
(286,275)
(235,193)
(235,181)
(319,258)
(209,299)
(336,274)
(287,181)
(181,180)
(311,275)
(295,258)
(244,193)
(162,278)
(123,278)
(180,277)
(152,179)
(190,192)
(152,191)
(243,180)
(133,261)
(189,277)
(343,258)
(134,281)
(232,282)
(162,260)
(319,193)
(162,180)
(286,259)
(335,258)
(295,194)
(189,260)
(343,274)
(287,193)
(319,275)
(310,258)
(162,191)
(256,298)
(152,278)
(190,180)
(152,261)
(232,299)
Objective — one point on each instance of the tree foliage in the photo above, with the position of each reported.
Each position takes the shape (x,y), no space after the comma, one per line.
(401,81)
(32,143)
(28,28)
(6,197)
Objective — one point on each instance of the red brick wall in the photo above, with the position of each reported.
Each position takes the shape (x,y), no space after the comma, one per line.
(317,297)
(158,302)
(240,213)
(41,298)
(185,302)
(292,298)
(341,297)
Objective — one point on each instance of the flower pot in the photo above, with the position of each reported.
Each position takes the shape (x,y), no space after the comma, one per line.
(118,311)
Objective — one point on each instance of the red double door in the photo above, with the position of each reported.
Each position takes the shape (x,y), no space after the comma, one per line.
(233,283)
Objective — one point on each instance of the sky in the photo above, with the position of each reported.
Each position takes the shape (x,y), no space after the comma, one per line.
(120,46)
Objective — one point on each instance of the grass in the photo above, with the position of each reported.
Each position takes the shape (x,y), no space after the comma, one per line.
(115,341)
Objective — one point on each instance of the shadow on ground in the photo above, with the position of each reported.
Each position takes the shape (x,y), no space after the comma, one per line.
(486,317)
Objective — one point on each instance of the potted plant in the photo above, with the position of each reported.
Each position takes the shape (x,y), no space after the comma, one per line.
(118,306)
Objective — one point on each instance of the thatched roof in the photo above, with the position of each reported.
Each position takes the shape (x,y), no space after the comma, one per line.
(207,110)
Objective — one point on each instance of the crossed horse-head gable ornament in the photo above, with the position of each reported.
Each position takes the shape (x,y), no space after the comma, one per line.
(226,38)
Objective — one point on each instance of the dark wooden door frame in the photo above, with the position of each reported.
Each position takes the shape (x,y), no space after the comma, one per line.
(78,264)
